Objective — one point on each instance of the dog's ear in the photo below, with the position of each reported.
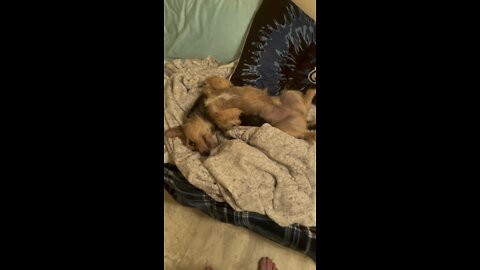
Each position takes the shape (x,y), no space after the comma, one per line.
(174,132)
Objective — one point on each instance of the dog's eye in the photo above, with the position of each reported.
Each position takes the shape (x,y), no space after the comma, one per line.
(192,144)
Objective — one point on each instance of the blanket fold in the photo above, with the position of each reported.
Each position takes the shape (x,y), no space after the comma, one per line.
(258,169)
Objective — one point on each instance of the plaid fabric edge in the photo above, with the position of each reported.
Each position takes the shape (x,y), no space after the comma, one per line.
(295,236)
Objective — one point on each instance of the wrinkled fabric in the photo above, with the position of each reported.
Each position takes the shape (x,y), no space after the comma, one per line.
(256,169)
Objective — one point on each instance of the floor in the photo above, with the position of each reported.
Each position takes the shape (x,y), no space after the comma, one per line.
(193,240)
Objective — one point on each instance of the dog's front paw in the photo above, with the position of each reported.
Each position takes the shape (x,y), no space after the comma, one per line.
(227,119)
(230,124)
(235,122)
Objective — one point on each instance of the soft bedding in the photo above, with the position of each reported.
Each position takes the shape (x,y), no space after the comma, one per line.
(194,28)
(295,236)
(259,169)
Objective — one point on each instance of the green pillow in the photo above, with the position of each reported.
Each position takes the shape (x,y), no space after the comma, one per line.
(199,28)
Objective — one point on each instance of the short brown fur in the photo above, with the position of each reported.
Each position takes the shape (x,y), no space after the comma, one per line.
(287,112)
(222,104)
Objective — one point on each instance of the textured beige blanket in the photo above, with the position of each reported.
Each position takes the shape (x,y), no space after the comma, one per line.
(258,169)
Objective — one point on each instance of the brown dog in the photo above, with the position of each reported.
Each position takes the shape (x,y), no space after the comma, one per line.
(197,132)
(226,106)
(287,112)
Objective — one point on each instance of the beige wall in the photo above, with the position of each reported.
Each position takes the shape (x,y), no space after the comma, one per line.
(308,6)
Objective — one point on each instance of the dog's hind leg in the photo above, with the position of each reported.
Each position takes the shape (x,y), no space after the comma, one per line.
(311,135)
(309,95)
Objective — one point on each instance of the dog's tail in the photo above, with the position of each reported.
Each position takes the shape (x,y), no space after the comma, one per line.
(309,95)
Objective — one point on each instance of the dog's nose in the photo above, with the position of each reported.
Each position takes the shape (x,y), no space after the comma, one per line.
(206,152)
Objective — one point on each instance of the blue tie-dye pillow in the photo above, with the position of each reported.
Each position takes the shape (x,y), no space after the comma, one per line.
(280,49)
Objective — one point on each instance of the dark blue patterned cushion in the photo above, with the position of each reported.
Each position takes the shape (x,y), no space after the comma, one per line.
(280,49)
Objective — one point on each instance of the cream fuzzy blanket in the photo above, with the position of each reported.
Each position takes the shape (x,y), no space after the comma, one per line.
(258,169)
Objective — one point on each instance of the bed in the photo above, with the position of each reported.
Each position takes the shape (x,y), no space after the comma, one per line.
(269,44)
